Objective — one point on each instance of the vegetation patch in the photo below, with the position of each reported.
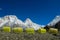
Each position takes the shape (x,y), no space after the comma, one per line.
(6,29)
(17,30)
(53,30)
(30,30)
(42,31)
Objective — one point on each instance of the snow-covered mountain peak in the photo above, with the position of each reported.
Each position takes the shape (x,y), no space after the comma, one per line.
(31,24)
(58,16)
(10,17)
(54,21)
(28,20)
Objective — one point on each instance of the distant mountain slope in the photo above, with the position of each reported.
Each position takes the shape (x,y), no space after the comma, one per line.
(54,21)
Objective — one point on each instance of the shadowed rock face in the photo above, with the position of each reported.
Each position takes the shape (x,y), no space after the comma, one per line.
(58,25)
(47,27)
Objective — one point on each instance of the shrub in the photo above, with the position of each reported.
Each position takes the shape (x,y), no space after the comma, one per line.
(42,31)
(53,30)
(6,29)
(30,30)
(17,30)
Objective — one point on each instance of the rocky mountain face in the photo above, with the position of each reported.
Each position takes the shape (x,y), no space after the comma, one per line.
(58,25)
(55,23)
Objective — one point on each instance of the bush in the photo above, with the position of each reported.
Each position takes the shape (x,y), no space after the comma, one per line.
(42,31)
(53,30)
(17,30)
(30,30)
(6,29)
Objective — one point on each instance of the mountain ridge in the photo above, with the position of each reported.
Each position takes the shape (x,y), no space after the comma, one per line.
(13,20)
(54,21)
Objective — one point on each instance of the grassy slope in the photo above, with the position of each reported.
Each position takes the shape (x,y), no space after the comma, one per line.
(25,36)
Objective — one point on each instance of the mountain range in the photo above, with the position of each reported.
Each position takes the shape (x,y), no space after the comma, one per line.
(12,21)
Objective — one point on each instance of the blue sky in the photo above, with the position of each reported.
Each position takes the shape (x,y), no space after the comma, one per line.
(39,11)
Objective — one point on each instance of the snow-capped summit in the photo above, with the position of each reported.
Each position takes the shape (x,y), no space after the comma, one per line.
(54,21)
(28,21)
(31,24)
(11,19)
(14,21)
